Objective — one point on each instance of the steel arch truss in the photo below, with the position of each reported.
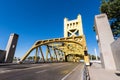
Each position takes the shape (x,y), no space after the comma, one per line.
(59,46)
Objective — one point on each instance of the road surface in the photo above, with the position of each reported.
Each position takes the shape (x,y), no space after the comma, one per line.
(42,71)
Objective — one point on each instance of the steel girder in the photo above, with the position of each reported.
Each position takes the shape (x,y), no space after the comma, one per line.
(68,45)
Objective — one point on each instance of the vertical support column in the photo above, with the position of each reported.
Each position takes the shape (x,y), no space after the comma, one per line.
(65,27)
(86,58)
(51,58)
(42,53)
(36,55)
(105,38)
(79,26)
(55,54)
(2,56)
(115,46)
(11,47)
(65,57)
(47,54)
(59,55)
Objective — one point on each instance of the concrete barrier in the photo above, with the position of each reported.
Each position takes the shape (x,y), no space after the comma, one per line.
(115,46)
(85,73)
(2,56)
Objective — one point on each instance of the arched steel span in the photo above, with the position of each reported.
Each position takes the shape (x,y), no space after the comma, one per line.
(79,40)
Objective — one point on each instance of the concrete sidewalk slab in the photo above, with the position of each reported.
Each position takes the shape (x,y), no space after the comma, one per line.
(96,72)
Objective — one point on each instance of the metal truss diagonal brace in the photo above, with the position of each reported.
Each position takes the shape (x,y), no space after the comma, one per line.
(42,53)
(55,54)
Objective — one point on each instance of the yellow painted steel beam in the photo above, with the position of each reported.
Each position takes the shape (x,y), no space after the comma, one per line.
(41,53)
(51,58)
(36,55)
(86,60)
(71,45)
(27,53)
(55,54)
(47,54)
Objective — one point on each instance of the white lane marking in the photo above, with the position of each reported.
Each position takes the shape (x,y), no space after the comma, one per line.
(69,73)
(34,67)
(60,66)
(50,69)
(5,71)
(40,71)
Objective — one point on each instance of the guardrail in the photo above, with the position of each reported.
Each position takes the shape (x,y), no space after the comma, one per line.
(85,73)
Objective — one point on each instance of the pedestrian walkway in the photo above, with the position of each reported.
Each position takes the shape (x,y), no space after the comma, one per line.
(96,72)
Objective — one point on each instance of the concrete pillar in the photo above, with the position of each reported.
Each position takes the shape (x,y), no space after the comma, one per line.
(2,56)
(116,52)
(105,38)
(11,46)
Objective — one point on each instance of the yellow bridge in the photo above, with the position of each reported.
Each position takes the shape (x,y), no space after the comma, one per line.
(70,48)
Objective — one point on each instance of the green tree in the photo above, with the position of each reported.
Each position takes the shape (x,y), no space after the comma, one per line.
(93,57)
(30,58)
(38,57)
(15,59)
(112,9)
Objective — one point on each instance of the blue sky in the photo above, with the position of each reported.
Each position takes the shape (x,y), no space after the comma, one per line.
(43,19)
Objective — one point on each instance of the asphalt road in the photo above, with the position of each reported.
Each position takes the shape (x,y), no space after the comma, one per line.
(42,71)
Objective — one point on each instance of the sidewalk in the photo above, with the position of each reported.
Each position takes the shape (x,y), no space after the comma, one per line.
(96,72)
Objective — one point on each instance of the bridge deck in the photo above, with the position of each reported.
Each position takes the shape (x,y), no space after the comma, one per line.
(42,71)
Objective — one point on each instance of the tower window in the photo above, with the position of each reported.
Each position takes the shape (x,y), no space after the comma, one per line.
(67,24)
(73,24)
(69,34)
(76,23)
(77,33)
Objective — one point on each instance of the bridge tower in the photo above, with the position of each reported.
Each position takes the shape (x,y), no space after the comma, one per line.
(73,28)
(72,46)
